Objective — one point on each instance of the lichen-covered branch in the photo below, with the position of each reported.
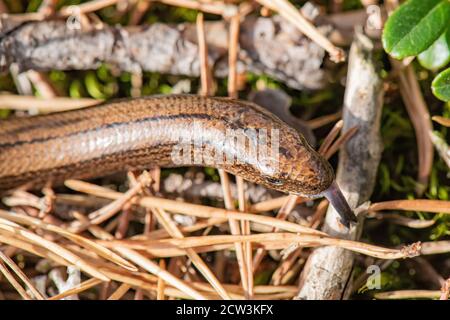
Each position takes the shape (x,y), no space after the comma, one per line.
(267,45)
(328,269)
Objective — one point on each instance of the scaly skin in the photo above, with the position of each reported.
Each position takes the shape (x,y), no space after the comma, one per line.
(140,133)
(144,132)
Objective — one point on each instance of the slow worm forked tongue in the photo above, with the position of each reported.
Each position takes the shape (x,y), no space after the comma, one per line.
(339,203)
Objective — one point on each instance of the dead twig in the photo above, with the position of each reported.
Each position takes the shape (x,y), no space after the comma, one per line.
(327,270)
(163,48)
(420,117)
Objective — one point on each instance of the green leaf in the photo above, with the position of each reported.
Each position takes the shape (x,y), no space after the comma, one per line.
(441,85)
(414,26)
(438,55)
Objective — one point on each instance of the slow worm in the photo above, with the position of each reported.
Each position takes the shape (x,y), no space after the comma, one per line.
(167,131)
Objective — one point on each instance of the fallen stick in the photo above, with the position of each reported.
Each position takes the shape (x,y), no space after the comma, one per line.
(267,45)
(328,269)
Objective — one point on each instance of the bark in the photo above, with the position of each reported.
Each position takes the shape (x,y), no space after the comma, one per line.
(328,269)
(267,45)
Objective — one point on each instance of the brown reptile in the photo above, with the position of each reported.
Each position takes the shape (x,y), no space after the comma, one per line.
(165,131)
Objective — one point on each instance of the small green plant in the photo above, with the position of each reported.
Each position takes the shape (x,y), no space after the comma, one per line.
(422,28)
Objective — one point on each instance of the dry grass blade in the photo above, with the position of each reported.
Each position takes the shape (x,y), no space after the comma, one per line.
(14,282)
(86,7)
(21,275)
(272,204)
(214,7)
(261,292)
(319,214)
(235,229)
(420,118)
(247,246)
(441,146)
(205,71)
(42,105)
(441,120)
(156,270)
(206,90)
(210,295)
(258,289)
(29,247)
(287,266)
(445,290)
(191,209)
(138,12)
(161,233)
(164,250)
(436,206)
(407,222)
(100,250)
(120,292)
(140,280)
(408,294)
(77,289)
(281,240)
(165,220)
(287,207)
(147,264)
(210,212)
(48,6)
(149,282)
(290,13)
(331,136)
(246,256)
(3,7)
(435,247)
(233,56)
(42,84)
(161,284)
(22,198)
(340,141)
(114,207)
(13,230)
(324,120)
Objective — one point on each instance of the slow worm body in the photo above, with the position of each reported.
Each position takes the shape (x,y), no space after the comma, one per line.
(167,131)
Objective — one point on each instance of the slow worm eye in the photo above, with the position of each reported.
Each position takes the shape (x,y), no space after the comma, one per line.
(274,181)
